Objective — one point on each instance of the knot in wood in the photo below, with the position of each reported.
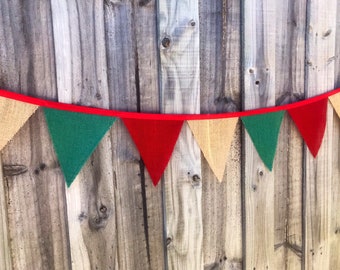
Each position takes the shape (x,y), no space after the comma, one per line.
(103,209)
(196,181)
(196,178)
(327,33)
(13,169)
(143,3)
(168,241)
(97,222)
(166,42)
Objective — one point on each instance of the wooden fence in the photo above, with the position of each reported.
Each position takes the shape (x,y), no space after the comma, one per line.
(171,56)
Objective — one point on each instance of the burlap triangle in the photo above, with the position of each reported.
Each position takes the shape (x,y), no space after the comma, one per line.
(214,138)
(13,115)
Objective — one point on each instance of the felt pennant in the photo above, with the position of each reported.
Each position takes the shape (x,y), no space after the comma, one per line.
(75,136)
(335,100)
(311,122)
(264,131)
(76,130)
(214,138)
(155,141)
(13,115)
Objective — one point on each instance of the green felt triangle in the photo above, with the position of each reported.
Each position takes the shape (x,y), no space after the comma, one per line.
(264,131)
(75,136)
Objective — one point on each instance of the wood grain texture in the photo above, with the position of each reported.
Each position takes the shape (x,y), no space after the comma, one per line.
(132,87)
(259,91)
(334,233)
(220,91)
(106,206)
(35,195)
(179,55)
(145,23)
(321,202)
(184,57)
(288,165)
(335,236)
(5,254)
(79,32)
(36,213)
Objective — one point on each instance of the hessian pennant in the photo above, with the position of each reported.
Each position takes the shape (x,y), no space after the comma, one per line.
(75,136)
(155,141)
(214,138)
(264,131)
(13,115)
(335,100)
(311,122)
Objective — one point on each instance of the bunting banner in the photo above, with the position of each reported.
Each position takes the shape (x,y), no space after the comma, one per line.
(75,136)
(13,115)
(76,130)
(264,131)
(311,122)
(335,100)
(214,138)
(155,140)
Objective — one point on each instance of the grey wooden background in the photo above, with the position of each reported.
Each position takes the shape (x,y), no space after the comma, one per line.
(170,56)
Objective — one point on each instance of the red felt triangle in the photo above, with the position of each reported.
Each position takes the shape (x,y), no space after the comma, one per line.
(155,140)
(311,122)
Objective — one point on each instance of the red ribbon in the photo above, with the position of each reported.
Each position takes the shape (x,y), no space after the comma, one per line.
(157,116)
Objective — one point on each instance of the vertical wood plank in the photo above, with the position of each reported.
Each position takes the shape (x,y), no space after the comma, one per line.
(220,91)
(179,54)
(147,60)
(288,166)
(259,91)
(107,204)
(35,197)
(5,255)
(132,82)
(335,236)
(321,200)
(334,233)
(79,40)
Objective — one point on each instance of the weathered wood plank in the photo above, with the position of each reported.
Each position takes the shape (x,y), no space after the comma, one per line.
(288,197)
(133,85)
(35,189)
(335,236)
(79,40)
(334,233)
(179,54)
(321,200)
(5,254)
(107,205)
(220,91)
(145,23)
(288,166)
(103,214)
(36,205)
(259,91)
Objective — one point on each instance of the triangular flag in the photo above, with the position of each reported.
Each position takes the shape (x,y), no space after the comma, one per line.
(214,138)
(335,100)
(75,136)
(310,120)
(155,141)
(264,131)
(13,115)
